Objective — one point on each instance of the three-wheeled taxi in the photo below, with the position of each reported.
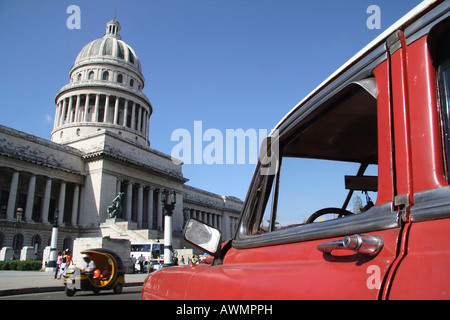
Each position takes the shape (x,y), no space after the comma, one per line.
(108,274)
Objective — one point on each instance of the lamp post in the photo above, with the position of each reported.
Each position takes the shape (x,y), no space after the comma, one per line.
(168,200)
(51,265)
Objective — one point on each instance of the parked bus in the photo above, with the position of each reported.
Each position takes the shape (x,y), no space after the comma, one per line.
(153,252)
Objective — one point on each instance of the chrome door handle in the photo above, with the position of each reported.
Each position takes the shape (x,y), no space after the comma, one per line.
(365,244)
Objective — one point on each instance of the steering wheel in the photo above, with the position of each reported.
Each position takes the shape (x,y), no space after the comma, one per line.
(321,212)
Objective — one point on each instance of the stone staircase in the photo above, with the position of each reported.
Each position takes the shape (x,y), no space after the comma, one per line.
(120,229)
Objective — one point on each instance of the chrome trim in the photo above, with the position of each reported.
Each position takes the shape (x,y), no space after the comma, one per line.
(365,244)
(431,204)
(377,218)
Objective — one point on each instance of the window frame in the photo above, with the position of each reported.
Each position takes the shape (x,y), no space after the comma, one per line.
(443,97)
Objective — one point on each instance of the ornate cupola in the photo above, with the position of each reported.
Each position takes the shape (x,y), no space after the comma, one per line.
(105,92)
(113,29)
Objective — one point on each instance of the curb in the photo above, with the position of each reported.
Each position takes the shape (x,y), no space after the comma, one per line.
(14,292)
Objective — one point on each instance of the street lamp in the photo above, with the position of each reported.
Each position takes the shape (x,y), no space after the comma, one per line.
(168,200)
(51,265)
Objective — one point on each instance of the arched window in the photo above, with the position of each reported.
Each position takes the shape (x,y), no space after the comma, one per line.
(105,75)
(119,78)
(36,240)
(18,241)
(79,77)
(91,75)
(131,82)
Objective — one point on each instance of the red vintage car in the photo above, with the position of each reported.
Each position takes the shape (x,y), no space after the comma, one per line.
(378,132)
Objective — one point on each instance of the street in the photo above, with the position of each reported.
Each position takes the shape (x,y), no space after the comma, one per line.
(128,293)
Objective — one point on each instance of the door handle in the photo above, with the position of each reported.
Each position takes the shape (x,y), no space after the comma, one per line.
(364,244)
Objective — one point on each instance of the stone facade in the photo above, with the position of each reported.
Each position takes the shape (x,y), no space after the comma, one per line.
(100,147)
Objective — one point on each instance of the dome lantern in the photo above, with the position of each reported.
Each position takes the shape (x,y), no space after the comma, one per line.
(113,29)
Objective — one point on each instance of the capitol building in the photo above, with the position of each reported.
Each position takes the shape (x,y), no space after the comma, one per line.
(100,147)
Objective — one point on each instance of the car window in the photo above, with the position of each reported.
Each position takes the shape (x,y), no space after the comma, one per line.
(327,167)
(306,186)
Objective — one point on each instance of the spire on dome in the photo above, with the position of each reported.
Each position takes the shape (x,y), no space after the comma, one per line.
(113,28)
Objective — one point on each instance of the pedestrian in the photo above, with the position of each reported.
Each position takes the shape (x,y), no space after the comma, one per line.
(58,263)
(68,261)
(62,268)
(141,260)
(133,259)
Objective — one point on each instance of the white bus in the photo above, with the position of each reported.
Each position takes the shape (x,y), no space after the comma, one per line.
(153,252)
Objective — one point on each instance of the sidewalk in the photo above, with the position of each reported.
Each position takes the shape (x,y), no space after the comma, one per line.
(21,282)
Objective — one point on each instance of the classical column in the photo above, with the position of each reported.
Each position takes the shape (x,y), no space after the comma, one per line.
(63,113)
(61,202)
(140,205)
(69,112)
(213,219)
(86,108)
(105,119)
(46,204)
(76,193)
(139,123)
(77,109)
(12,196)
(57,114)
(147,123)
(30,198)
(97,100)
(116,111)
(133,116)
(150,209)
(129,201)
(219,222)
(125,113)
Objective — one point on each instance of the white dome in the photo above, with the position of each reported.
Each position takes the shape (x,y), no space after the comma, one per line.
(109,49)
(104,93)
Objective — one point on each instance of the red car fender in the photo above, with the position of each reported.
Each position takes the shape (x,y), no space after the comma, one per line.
(170,283)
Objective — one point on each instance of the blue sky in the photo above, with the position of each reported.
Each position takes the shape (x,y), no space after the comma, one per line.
(228,63)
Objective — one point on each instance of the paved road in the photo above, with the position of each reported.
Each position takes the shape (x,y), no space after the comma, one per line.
(128,293)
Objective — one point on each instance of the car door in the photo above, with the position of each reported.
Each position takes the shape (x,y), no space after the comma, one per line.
(285,248)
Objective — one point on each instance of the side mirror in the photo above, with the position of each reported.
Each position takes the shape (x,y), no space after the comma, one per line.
(203,236)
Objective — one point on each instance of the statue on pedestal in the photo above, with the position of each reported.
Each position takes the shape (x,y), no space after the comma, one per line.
(115,208)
